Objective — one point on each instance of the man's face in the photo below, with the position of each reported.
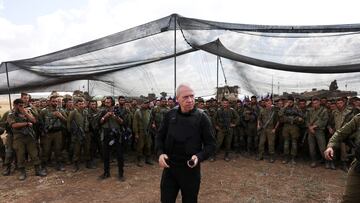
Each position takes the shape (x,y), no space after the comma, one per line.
(70,104)
(93,105)
(121,101)
(316,104)
(340,104)
(323,101)
(201,105)
(268,103)
(53,102)
(302,105)
(107,102)
(25,99)
(280,103)
(145,105)
(186,99)
(291,103)
(171,103)
(163,102)
(19,106)
(253,100)
(80,105)
(225,104)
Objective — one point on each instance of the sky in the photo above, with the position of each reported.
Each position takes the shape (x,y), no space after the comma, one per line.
(30,28)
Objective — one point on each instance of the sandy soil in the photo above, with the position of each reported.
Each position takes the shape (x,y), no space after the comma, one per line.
(241,180)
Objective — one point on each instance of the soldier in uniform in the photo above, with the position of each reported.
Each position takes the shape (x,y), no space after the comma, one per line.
(267,125)
(52,119)
(94,127)
(348,133)
(9,150)
(67,147)
(239,134)
(226,119)
(111,124)
(171,103)
(78,125)
(250,129)
(158,113)
(143,140)
(316,121)
(340,117)
(21,121)
(291,118)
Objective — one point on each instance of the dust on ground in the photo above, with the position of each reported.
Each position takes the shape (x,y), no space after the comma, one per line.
(243,179)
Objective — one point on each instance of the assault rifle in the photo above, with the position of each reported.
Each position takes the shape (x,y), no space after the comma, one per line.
(77,131)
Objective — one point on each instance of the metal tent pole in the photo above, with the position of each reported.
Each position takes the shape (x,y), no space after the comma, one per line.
(8,84)
(175,55)
(217,77)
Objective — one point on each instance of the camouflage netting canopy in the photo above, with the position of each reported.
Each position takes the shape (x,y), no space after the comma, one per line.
(259,59)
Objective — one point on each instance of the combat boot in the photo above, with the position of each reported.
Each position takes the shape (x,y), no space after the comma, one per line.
(90,165)
(332,165)
(344,166)
(59,167)
(148,160)
(272,159)
(22,174)
(121,178)
(139,161)
(293,162)
(327,165)
(313,164)
(226,157)
(7,170)
(104,175)
(259,157)
(212,158)
(76,167)
(39,171)
(286,160)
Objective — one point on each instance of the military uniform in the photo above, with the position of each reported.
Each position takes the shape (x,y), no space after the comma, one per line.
(291,118)
(9,150)
(318,117)
(158,114)
(224,118)
(340,118)
(268,119)
(143,139)
(347,132)
(24,141)
(250,120)
(78,125)
(239,134)
(94,127)
(52,138)
(111,137)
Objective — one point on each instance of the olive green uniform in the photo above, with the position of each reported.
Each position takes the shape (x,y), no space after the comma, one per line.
(140,126)
(224,117)
(24,140)
(340,119)
(158,113)
(52,138)
(250,119)
(267,119)
(349,131)
(318,117)
(83,139)
(239,134)
(291,118)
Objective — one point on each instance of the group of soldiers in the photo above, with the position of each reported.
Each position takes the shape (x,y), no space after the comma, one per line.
(74,129)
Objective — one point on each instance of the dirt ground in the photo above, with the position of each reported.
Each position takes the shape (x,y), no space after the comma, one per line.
(243,179)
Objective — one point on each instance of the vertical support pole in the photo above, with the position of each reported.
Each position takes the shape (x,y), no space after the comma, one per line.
(88,86)
(8,84)
(175,56)
(217,77)
(272,88)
